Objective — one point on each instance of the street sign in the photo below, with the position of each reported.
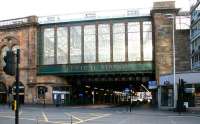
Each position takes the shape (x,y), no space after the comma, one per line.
(189,90)
(126,90)
(152,84)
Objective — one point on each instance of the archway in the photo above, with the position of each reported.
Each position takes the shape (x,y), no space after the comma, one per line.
(4,49)
(21,92)
(3,93)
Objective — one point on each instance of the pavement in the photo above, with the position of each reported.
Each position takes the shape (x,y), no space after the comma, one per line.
(95,114)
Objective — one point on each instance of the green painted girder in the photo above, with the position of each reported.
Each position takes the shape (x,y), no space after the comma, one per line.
(96,68)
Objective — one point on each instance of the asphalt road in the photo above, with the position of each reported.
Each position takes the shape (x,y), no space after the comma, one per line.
(95,115)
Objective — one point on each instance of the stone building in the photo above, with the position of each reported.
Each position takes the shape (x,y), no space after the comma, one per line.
(92,59)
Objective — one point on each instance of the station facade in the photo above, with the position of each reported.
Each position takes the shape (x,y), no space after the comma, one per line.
(92,60)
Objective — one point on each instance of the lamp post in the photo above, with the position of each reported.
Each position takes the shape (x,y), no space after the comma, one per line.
(174,63)
(172,16)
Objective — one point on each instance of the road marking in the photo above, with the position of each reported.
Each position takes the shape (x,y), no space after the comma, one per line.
(94,118)
(96,114)
(29,119)
(45,117)
(183,116)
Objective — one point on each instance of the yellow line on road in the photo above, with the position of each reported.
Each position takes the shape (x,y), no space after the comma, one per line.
(45,117)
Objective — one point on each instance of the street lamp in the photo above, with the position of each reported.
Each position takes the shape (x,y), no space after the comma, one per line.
(172,16)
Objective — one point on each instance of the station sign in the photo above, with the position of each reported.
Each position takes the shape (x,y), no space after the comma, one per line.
(130,67)
(61,92)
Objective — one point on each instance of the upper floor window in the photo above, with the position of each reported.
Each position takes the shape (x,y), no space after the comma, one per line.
(147,41)
(104,42)
(62,45)
(75,44)
(118,42)
(49,45)
(89,44)
(134,41)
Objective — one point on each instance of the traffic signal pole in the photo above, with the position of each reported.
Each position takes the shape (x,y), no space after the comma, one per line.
(12,68)
(17,87)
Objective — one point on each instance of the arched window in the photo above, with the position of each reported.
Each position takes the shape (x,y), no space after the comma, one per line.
(3,53)
(41,90)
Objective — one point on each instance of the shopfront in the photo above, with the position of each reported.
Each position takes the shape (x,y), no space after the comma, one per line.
(61,95)
(191,89)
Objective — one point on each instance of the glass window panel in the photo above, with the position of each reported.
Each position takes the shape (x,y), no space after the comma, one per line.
(48,46)
(62,45)
(75,44)
(134,41)
(147,41)
(104,42)
(89,44)
(118,42)
(147,26)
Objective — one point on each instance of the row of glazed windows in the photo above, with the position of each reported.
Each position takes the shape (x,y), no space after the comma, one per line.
(195,15)
(97,43)
(195,30)
(196,61)
(196,45)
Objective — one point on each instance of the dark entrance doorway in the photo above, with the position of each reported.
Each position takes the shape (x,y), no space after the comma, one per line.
(3,93)
(111,89)
(21,92)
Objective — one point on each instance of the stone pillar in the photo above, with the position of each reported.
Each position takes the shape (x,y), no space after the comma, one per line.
(163,38)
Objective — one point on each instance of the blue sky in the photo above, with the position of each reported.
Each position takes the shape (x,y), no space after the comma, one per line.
(20,8)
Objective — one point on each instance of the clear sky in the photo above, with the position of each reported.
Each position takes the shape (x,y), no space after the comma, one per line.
(20,8)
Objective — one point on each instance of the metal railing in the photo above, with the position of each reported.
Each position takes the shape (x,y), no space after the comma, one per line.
(17,21)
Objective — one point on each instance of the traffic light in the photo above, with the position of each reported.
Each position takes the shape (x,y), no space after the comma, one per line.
(10,61)
(9,90)
(14,105)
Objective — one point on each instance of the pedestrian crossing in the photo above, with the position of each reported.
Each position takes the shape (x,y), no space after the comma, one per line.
(62,117)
